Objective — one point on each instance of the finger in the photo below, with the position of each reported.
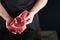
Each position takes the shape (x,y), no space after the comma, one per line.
(29,21)
(14,32)
(23,13)
(28,17)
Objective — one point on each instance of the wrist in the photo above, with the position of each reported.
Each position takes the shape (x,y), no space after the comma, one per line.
(33,13)
(8,19)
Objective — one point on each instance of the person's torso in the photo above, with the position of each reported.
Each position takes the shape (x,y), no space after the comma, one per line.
(14,7)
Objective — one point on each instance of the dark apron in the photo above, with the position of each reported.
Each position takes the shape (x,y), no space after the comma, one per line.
(14,8)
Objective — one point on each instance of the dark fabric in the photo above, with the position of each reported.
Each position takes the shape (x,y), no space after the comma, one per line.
(34,26)
(26,35)
(14,8)
(17,6)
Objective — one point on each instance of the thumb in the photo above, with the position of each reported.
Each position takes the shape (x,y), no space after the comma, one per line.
(24,14)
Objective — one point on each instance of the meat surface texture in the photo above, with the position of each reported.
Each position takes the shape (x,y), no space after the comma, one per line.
(18,24)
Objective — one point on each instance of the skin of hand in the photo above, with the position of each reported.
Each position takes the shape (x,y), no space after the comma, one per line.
(29,18)
(4,14)
(38,6)
(8,21)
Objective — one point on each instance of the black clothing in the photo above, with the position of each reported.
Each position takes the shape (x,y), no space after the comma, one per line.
(14,8)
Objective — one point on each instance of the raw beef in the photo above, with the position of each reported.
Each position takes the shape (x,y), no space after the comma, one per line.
(18,24)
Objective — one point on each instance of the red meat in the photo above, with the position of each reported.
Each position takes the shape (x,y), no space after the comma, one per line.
(17,25)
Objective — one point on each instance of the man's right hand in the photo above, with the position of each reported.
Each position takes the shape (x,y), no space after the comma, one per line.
(18,24)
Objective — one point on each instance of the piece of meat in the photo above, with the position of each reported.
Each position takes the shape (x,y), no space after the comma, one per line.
(18,25)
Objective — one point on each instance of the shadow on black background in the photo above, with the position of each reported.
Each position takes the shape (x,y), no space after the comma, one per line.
(49,16)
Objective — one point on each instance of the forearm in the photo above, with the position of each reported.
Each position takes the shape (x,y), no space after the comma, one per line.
(38,6)
(3,13)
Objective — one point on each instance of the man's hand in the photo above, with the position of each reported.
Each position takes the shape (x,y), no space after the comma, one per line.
(8,21)
(17,25)
(35,9)
(29,18)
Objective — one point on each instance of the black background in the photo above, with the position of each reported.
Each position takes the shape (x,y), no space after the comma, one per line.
(49,16)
